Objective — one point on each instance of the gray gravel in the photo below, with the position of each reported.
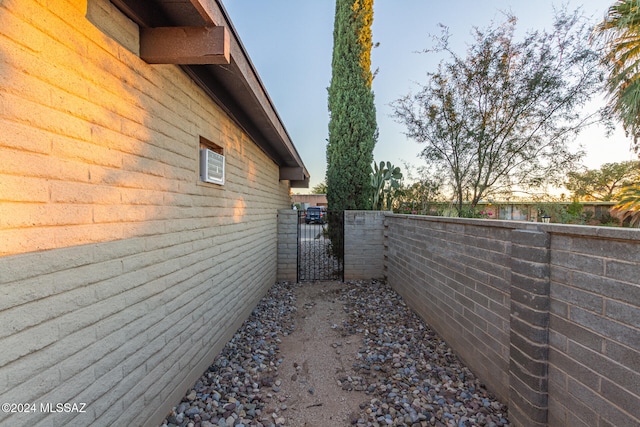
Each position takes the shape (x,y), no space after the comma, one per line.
(413,377)
(406,374)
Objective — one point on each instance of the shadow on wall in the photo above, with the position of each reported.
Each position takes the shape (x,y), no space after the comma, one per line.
(78,152)
(97,146)
(93,147)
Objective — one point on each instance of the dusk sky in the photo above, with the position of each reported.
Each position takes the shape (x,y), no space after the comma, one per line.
(290,44)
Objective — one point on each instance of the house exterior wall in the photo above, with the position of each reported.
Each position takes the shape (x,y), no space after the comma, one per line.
(121,274)
(310,199)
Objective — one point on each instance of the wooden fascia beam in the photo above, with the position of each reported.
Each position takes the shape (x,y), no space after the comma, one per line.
(295,175)
(292,173)
(140,12)
(300,184)
(185,45)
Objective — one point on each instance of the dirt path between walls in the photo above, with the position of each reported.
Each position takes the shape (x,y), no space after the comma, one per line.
(316,356)
(327,354)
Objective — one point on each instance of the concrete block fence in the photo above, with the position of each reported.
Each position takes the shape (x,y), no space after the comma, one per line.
(364,238)
(457,277)
(287,245)
(363,235)
(546,315)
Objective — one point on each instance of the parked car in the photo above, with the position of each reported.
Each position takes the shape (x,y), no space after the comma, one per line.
(315,215)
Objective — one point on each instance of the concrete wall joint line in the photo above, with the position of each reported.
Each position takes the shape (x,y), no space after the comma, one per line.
(530,257)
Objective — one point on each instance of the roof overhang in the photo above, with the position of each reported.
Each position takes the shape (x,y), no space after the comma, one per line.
(198,36)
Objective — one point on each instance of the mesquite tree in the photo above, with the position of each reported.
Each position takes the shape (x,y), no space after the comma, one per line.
(352,123)
(501,118)
(605,183)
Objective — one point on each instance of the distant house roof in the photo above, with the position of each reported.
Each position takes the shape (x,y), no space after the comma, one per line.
(311,199)
(232,83)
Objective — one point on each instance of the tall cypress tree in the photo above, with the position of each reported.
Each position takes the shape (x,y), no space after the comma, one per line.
(352,124)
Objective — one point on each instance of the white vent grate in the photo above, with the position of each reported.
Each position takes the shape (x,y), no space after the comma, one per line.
(211,166)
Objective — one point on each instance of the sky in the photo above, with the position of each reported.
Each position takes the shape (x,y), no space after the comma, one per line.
(290,44)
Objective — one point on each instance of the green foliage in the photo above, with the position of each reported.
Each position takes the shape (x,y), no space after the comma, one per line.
(628,208)
(385,182)
(603,184)
(503,116)
(557,212)
(352,122)
(320,188)
(421,197)
(609,220)
(467,212)
(564,213)
(575,209)
(620,31)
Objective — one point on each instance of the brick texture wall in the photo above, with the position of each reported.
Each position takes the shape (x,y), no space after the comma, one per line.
(287,245)
(594,331)
(546,315)
(363,240)
(456,275)
(121,275)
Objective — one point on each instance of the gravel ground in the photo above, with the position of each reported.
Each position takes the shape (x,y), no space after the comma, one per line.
(392,363)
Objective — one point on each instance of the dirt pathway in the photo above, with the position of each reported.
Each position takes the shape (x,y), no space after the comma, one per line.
(375,364)
(316,356)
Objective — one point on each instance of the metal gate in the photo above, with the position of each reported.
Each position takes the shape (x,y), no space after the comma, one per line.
(320,245)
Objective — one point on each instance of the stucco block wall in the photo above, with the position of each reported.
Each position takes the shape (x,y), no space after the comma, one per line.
(363,240)
(594,331)
(456,276)
(288,245)
(546,315)
(121,274)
